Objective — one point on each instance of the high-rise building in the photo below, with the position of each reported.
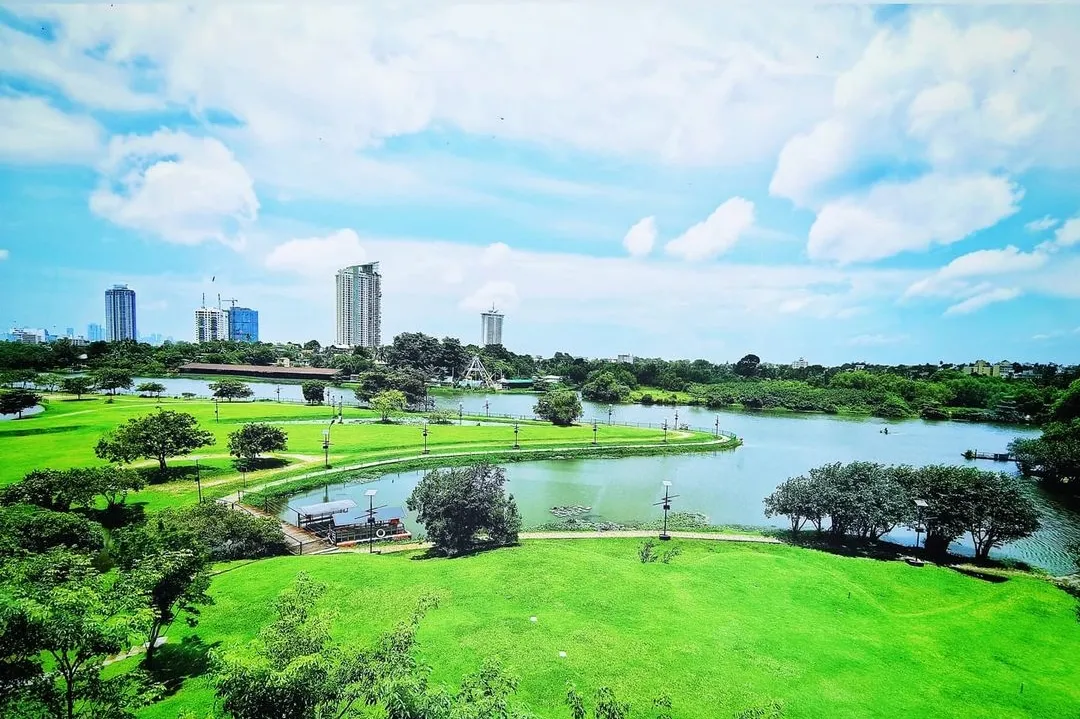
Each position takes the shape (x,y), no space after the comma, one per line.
(95,332)
(491,327)
(243,324)
(120,314)
(211,323)
(359,306)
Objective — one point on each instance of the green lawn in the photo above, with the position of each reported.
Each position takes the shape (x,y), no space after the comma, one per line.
(65,434)
(722,628)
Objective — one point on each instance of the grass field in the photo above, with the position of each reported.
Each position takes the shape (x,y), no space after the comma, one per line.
(722,628)
(65,434)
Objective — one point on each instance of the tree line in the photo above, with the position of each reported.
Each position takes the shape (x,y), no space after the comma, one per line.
(866,500)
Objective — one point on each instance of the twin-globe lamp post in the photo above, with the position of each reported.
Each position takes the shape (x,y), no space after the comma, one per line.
(516,445)
(666,504)
(326,448)
(425,433)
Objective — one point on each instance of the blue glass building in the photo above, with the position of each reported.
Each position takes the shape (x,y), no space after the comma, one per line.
(243,324)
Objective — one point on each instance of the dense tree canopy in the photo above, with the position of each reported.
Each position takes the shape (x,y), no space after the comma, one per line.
(314,391)
(230,389)
(561,407)
(158,435)
(78,385)
(256,438)
(459,504)
(16,401)
(387,403)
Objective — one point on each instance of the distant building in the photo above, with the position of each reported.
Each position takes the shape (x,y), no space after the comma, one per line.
(491,324)
(800,364)
(153,339)
(359,306)
(985,369)
(211,323)
(628,359)
(95,332)
(28,335)
(120,321)
(70,333)
(243,324)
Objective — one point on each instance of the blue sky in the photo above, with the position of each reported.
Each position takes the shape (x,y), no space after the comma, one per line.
(840,183)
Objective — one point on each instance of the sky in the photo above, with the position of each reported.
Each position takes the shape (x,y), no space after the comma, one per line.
(696,180)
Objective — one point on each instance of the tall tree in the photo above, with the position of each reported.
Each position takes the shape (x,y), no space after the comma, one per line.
(159,435)
(456,505)
(747,366)
(561,407)
(151,388)
(112,379)
(78,385)
(255,438)
(230,389)
(998,510)
(387,403)
(314,391)
(17,401)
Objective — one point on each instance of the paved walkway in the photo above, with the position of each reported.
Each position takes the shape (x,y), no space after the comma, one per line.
(617,534)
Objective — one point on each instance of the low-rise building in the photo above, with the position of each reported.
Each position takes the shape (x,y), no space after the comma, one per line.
(800,364)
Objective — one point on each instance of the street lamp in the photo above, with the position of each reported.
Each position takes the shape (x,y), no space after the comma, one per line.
(610,409)
(718,426)
(460,411)
(243,476)
(326,448)
(198,480)
(594,432)
(279,393)
(516,445)
(664,427)
(920,507)
(217,418)
(676,427)
(370,494)
(425,433)
(487,411)
(666,504)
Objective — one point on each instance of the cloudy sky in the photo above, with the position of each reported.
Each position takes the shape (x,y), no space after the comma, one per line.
(836,182)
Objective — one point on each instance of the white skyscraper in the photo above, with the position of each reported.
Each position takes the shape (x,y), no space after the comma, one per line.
(120,314)
(491,327)
(359,306)
(211,323)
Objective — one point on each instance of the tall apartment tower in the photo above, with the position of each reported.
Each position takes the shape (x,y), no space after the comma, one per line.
(359,306)
(491,327)
(243,324)
(211,323)
(120,314)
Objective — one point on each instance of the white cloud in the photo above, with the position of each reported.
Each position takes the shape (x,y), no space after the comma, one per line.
(497,293)
(900,217)
(181,188)
(495,254)
(952,278)
(1042,224)
(1056,334)
(32,131)
(318,256)
(640,238)
(876,340)
(1069,233)
(977,302)
(4,254)
(810,160)
(716,234)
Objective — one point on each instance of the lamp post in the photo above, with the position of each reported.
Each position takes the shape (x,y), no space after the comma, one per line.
(279,393)
(460,412)
(340,410)
(198,480)
(594,432)
(243,476)
(425,433)
(370,494)
(664,427)
(676,427)
(326,448)
(717,426)
(516,445)
(920,507)
(610,409)
(666,504)
(487,411)
(217,417)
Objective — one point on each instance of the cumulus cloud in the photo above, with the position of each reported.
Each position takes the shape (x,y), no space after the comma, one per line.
(1042,224)
(810,160)
(899,217)
(33,131)
(952,278)
(1069,233)
(716,234)
(4,254)
(641,237)
(175,186)
(495,254)
(317,256)
(977,302)
(501,294)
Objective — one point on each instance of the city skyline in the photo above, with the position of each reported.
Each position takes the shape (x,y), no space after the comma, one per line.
(883,200)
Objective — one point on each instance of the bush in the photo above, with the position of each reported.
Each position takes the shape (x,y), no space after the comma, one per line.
(561,407)
(227,533)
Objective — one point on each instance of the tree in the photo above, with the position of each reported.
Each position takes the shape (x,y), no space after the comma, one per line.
(49,381)
(151,388)
(164,562)
(312,345)
(230,389)
(387,403)
(561,407)
(455,505)
(606,705)
(254,438)
(795,499)
(997,510)
(16,401)
(603,386)
(62,607)
(226,534)
(27,529)
(1067,406)
(314,391)
(112,379)
(1054,457)
(159,435)
(747,366)
(52,489)
(78,386)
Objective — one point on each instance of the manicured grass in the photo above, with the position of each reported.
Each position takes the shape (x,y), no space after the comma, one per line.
(722,628)
(65,434)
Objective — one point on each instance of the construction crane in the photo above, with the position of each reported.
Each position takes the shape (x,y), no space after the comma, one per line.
(219,300)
